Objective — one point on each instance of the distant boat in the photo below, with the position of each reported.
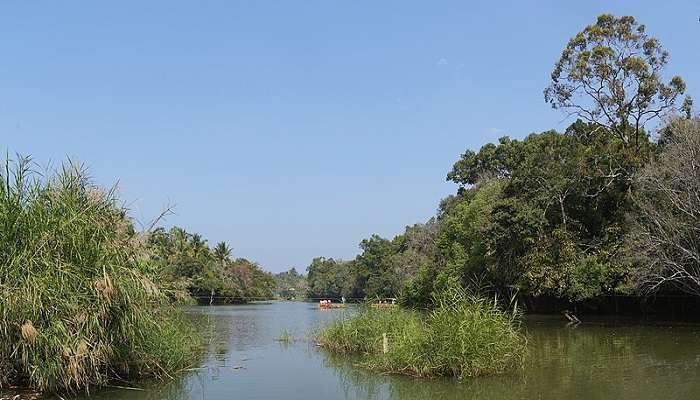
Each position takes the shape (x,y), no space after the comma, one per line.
(329,304)
(386,303)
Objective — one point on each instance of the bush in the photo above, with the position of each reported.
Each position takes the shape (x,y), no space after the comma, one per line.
(76,310)
(463,336)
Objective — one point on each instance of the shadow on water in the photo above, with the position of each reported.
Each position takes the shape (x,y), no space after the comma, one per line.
(595,360)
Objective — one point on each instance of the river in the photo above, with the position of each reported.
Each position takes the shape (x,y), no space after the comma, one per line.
(602,360)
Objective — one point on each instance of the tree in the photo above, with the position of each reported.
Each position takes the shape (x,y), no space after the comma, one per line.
(330,278)
(374,269)
(461,239)
(416,248)
(548,171)
(188,267)
(543,214)
(665,238)
(492,161)
(198,244)
(609,74)
(291,284)
(222,251)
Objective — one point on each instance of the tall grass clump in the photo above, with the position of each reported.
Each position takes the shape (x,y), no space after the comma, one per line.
(463,336)
(76,309)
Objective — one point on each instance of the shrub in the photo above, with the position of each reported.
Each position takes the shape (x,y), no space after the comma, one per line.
(76,310)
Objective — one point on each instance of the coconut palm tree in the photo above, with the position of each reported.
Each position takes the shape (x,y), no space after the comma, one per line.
(198,244)
(222,251)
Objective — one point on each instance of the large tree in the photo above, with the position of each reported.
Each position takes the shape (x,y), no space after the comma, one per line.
(609,74)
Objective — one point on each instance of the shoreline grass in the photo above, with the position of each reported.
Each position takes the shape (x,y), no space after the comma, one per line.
(463,336)
(77,308)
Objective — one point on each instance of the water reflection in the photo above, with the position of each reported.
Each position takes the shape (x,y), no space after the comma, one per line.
(593,361)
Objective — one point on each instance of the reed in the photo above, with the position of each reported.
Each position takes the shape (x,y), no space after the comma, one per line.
(285,337)
(463,336)
(76,308)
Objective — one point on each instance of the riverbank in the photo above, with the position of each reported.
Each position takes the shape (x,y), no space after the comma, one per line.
(78,309)
(662,307)
(624,359)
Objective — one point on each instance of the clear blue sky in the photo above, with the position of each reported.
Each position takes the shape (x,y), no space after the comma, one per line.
(291,129)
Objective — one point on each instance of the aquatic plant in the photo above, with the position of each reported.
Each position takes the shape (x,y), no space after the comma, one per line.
(285,337)
(76,308)
(463,336)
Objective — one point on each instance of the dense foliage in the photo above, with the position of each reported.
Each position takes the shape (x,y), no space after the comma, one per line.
(290,284)
(599,209)
(77,307)
(186,266)
(383,269)
(462,336)
(329,278)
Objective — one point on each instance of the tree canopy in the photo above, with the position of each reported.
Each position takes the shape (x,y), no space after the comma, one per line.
(610,74)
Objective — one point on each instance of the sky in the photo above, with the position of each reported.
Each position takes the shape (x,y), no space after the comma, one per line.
(291,129)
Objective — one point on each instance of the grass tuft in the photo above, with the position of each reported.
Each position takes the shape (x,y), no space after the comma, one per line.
(463,336)
(285,337)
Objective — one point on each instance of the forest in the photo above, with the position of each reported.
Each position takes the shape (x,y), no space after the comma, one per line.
(189,269)
(608,207)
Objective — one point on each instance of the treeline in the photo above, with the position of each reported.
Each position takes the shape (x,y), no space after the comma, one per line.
(382,270)
(598,209)
(186,267)
(290,284)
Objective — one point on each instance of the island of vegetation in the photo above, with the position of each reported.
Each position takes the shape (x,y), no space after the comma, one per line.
(462,335)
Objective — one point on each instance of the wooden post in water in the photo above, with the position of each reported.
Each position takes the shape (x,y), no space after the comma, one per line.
(385,343)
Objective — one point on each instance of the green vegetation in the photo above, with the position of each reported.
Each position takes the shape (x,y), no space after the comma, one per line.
(609,74)
(290,284)
(462,336)
(329,278)
(383,269)
(77,308)
(285,337)
(597,210)
(600,209)
(186,266)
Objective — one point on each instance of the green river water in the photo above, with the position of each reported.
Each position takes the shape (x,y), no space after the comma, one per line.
(596,360)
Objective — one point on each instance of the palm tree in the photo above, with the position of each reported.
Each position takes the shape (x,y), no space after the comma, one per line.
(198,243)
(222,251)
(180,238)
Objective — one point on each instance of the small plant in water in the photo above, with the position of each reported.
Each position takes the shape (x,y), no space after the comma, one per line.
(285,337)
